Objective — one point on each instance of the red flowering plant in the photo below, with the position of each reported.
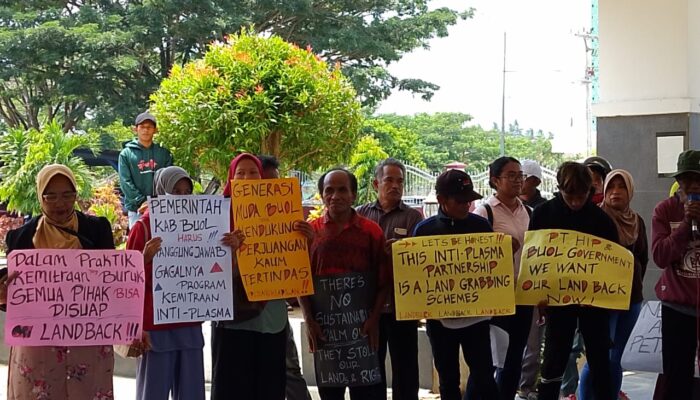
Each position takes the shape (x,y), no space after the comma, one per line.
(105,203)
(8,222)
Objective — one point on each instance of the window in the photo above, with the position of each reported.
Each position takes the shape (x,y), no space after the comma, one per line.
(668,147)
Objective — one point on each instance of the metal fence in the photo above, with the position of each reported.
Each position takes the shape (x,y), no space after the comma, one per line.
(419,184)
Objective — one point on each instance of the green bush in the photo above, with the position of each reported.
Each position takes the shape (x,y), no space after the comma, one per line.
(24,153)
(367,154)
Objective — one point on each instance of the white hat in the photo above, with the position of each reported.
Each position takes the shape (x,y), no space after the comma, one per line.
(531,168)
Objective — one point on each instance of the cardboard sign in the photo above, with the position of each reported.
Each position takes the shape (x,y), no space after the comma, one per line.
(453,276)
(74,297)
(192,273)
(274,259)
(643,350)
(341,305)
(564,267)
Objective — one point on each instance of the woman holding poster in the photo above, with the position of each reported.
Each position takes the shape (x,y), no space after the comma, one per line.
(507,214)
(172,361)
(573,209)
(76,372)
(618,190)
(249,353)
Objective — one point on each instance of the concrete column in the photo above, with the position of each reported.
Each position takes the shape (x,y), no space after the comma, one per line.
(649,87)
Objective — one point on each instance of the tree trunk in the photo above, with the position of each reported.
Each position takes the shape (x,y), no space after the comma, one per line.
(271,144)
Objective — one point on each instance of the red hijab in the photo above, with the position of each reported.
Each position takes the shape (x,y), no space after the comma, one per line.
(232,170)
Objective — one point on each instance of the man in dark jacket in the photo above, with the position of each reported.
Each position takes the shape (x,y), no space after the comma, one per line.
(138,162)
(455,193)
(572,209)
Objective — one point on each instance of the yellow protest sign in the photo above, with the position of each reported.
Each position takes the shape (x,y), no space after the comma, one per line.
(563,267)
(274,259)
(452,276)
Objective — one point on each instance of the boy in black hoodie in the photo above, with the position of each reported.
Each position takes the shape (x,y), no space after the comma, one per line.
(572,209)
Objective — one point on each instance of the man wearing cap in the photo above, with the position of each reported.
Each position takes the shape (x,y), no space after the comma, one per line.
(398,221)
(676,250)
(529,193)
(455,193)
(138,162)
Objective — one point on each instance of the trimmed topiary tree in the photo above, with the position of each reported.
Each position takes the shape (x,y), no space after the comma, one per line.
(260,95)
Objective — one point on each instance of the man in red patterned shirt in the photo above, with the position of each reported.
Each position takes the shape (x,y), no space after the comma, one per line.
(346,242)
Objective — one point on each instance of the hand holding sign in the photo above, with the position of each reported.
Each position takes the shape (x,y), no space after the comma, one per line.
(305,229)
(314,334)
(152,247)
(5,281)
(234,239)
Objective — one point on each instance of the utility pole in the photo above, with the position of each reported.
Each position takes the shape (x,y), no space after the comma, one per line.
(587,80)
(503,101)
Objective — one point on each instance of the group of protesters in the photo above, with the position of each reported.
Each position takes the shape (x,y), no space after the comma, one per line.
(254,355)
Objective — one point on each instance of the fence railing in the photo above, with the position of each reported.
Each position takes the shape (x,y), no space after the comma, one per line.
(420,183)
(547,187)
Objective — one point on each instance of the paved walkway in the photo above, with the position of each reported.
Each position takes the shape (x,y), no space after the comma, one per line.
(124,388)
(638,386)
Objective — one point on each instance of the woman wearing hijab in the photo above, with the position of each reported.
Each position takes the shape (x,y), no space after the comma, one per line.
(51,372)
(618,190)
(248,353)
(173,362)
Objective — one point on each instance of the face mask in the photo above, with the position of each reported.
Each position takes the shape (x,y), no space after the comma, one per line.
(597,198)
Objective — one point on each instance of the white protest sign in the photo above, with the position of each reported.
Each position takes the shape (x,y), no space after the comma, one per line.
(192,277)
(643,349)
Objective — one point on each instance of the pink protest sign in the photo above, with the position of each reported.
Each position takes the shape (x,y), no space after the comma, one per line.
(74,297)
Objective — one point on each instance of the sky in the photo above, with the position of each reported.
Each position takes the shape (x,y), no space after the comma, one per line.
(545,64)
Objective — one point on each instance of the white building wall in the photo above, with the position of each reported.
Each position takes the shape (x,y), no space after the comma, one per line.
(649,57)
